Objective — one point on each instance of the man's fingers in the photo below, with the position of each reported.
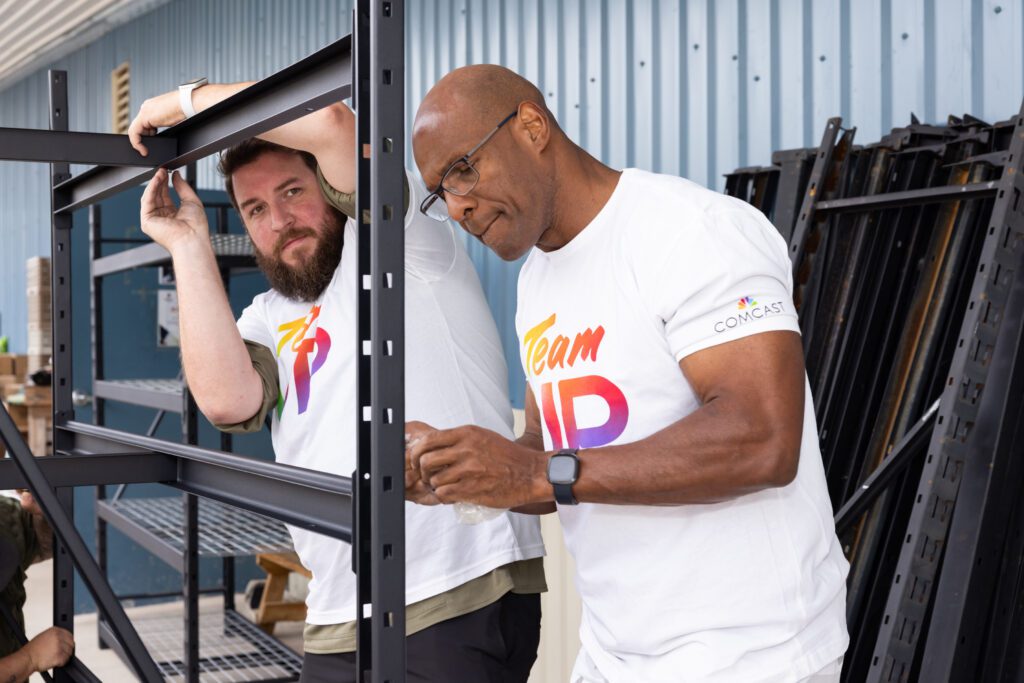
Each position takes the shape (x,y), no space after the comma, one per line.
(419,493)
(151,197)
(448,494)
(431,441)
(435,461)
(184,190)
(414,430)
(445,477)
(135,131)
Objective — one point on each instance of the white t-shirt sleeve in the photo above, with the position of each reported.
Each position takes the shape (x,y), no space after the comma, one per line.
(430,246)
(723,277)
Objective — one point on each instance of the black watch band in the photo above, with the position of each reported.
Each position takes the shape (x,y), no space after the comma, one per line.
(563,471)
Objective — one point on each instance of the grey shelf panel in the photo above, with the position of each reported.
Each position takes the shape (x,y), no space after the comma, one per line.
(232,251)
(231,648)
(162,394)
(224,531)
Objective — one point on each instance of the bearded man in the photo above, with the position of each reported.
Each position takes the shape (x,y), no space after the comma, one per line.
(472,591)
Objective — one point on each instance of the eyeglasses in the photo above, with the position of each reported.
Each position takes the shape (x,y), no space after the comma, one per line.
(459,179)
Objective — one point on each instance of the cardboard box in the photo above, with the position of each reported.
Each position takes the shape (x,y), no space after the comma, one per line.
(37,271)
(6,364)
(38,395)
(40,341)
(21,367)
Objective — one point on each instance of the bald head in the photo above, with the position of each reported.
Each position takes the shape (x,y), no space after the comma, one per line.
(488,146)
(477,94)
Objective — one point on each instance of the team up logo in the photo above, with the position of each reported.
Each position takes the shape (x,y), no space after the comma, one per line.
(542,353)
(749,310)
(317,345)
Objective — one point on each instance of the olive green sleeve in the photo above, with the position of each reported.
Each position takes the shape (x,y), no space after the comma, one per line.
(346,202)
(265,365)
(17,528)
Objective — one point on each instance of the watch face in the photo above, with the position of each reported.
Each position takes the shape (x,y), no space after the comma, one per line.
(562,469)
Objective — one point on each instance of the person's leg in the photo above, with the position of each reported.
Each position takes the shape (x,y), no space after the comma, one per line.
(520,627)
(495,644)
(336,668)
(491,645)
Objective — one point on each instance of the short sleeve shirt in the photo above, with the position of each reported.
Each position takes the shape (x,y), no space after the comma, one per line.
(747,589)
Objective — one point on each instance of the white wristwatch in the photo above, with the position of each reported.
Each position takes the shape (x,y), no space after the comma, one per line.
(185,95)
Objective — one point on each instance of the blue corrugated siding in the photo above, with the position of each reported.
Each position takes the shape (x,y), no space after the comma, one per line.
(694,87)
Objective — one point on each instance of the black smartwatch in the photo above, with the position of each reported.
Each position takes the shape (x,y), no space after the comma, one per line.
(563,471)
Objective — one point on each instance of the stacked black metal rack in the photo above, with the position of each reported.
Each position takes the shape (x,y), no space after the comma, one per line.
(908,262)
(367,509)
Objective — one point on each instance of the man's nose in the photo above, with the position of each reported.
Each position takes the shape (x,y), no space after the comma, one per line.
(280,218)
(460,208)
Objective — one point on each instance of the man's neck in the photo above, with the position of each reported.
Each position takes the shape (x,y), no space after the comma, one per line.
(586,186)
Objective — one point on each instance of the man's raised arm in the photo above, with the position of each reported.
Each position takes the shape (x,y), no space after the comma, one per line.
(328,134)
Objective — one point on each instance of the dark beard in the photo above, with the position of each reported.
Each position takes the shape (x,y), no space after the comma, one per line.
(307,281)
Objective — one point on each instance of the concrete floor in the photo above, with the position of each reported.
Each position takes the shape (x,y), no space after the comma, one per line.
(104,663)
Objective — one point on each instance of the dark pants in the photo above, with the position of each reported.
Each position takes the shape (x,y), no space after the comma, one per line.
(495,644)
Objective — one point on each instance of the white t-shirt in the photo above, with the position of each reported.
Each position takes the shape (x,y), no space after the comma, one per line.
(752,589)
(455,375)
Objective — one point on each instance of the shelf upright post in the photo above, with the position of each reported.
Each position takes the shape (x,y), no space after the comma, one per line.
(98,405)
(379,531)
(63,409)
(190,556)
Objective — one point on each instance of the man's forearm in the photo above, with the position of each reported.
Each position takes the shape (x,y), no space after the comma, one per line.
(328,134)
(712,455)
(217,365)
(16,667)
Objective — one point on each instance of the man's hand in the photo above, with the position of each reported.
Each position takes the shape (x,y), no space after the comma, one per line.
(475,465)
(416,490)
(53,647)
(29,504)
(170,225)
(157,112)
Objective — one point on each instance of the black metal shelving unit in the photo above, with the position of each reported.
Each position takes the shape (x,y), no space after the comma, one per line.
(369,514)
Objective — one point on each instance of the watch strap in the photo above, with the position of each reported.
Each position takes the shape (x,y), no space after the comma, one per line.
(563,494)
(185,96)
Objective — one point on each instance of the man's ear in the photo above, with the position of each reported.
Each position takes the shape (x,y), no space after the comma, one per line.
(536,121)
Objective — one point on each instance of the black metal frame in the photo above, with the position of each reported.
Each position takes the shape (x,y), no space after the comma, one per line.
(88,455)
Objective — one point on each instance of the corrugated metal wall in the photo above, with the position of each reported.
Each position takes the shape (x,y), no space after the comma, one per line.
(694,87)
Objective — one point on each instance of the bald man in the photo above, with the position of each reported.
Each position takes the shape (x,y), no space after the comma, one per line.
(668,419)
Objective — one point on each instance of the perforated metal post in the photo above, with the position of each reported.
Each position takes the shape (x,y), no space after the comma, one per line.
(380,83)
(63,409)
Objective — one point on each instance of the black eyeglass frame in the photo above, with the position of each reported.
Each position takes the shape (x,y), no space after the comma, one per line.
(436,194)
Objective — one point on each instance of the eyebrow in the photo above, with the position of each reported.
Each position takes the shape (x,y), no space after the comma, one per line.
(280,187)
(444,169)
